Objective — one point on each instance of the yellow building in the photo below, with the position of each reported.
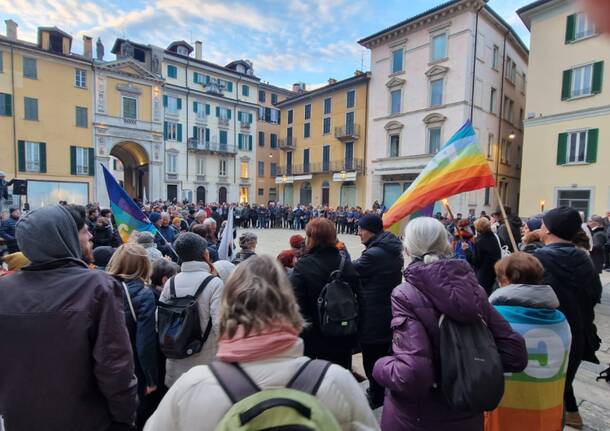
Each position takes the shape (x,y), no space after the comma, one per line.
(566,149)
(46,136)
(323,139)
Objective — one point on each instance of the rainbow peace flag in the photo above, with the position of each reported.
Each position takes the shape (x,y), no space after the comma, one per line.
(460,166)
(127,214)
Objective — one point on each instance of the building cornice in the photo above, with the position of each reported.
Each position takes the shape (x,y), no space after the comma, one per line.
(359,79)
(568,116)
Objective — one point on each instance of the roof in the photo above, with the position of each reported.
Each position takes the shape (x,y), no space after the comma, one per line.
(277,89)
(33,46)
(178,43)
(529,7)
(510,29)
(212,65)
(116,48)
(364,77)
(54,29)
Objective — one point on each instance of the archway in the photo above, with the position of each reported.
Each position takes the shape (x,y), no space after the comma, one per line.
(222,195)
(305,196)
(201,195)
(134,161)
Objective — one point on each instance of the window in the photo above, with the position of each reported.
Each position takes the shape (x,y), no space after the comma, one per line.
(80,78)
(262,96)
(576,147)
(394,146)
(273,98)
(523,82)
(1,61)
(222,168)
(351,98)
(245,90)
(511,111)
(439,47)
(349,122)
(223,138)
(434,140)
(6,104)
(130,108)
(395,102)
(326,125)
(32,157)
(172,160)
(582,80)
(306,130)
(243,170)
(261,168)
(173,104)
(201,109)
(244,142)
(580,200)
(172,131)
(172,71)
(308,111)
(492,100)
(200,166)
(273,140)
(436,92)
(289,162)
(327,105)
(306,160)
(349,155)
(261,192)
(290,117)
(397,60)
(326,158)
(511,70)
(81,117)
(273,169)
(29,68)
(487,196)
(81,160)
(490,146)
(579,26)
(495,59)
(30,106)
(244,117)
(261,139)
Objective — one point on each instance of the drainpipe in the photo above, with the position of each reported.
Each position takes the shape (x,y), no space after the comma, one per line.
(474,61)
(501,110)
(235,136)
(16,161)
(365,134)
(188,91)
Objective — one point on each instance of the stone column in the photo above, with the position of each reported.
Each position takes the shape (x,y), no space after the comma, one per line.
(155,181)
(99,192)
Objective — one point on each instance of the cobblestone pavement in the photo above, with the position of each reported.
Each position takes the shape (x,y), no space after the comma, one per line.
(593,397)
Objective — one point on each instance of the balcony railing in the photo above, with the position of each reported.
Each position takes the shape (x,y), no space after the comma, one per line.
(245,125)
(288,143)
(353,165)
(349,131)
(210,146)
(223,121)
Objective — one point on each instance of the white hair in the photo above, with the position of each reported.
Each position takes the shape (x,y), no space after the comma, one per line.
(426,238)
(199,214)
(209,221)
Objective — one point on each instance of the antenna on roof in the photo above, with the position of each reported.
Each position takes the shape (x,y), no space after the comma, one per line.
(362,60)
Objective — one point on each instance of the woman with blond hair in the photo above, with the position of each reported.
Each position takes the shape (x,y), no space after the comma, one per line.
(259,330)
(131,266)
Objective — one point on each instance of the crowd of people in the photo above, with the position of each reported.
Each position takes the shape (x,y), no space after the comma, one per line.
(89,319)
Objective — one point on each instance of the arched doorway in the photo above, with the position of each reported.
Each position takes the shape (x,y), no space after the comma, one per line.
(222,195)
(201,195)
(134,161)
(325,192)
(305,196)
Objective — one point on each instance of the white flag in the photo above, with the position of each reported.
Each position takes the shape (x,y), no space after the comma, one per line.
(226,241)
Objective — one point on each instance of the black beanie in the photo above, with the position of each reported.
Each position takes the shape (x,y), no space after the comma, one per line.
(371,222)
(563,222)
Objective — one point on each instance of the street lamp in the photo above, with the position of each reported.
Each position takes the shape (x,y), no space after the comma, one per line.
(542,202)
(512,135)
(343,175)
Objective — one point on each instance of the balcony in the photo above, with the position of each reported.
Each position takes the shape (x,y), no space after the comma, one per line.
(212,146)
(347,132)
(245,125)
(337,166)
(288,143)
(103,120)
(222,121)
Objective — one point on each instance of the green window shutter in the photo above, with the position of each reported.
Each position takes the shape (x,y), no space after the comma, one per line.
(249,142)
(194,107)
(21,155)
(8,104)
(43,157)
(598,74)
(229,87)
(566,84)
(165,130)
(229,114)
(91,162)
(72,160)
(165,100)
(207,134)
(195,77)
(562,148)
(239,116)
(570,28)
(218,111)
(179,103)
(250,118)
(592,137)
(239,141)
(195,132)
(179,132)
(207,79)
(207,109)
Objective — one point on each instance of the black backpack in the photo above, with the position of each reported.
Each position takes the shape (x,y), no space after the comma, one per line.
(471,372)
(178,323)
(337,306)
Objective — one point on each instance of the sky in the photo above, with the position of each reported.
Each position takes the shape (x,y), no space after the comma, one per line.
(287,40)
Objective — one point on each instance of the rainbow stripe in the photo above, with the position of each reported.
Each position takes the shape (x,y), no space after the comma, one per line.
(460,166)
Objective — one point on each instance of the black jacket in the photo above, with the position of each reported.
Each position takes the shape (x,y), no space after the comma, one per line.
(485,255)
(599,248)
(380,270)
(105,236)
(7,231)
(4,188)
(514,223)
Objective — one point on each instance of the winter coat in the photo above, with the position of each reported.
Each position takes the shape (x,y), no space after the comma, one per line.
(598,248)
(142,333)
(515,224)
(533,399)
(447,287)
(310,275)
(7,231)
(380,270)
(197,401)
(483,256)
(243,255)
(70,364)
(105,236)
(187,281)
(169,232)
(570,272)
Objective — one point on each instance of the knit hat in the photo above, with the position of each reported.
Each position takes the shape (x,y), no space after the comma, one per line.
(563,222)
(597,219)
(286,258)
(145,238)
(102,255)
(297,241)
(154,217)
(16,261)
(371,222)
(534,224)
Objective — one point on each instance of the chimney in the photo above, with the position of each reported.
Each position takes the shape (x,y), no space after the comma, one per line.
(199,50)
(358,73)
(11,29)
(87,47)
(332,81)
(298,87)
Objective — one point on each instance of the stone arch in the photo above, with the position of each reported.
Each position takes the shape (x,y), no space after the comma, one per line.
(135,161)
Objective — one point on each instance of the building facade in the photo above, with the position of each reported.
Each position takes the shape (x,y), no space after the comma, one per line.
(46,134)
(267,142)
(568,111)
(429,75)
(323,142)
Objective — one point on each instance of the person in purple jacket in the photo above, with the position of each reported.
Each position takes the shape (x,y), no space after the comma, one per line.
(434,284)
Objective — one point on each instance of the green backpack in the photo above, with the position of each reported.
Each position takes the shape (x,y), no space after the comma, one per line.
(293,408)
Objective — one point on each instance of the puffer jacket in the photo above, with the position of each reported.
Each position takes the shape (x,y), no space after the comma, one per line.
(447,287)
(380,270)
(197,401)
(7,231)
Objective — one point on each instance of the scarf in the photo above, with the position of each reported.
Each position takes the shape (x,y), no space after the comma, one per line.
(275,339)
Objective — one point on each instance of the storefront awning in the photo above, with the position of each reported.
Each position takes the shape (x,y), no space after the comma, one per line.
(345,176)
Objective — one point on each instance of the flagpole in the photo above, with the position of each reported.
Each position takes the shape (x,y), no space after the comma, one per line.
(510,232)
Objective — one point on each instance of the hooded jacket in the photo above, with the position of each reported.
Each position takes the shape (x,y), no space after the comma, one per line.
(64,327)
(445,287)
(514,224)
(483,256)
(380,270)
(105,236)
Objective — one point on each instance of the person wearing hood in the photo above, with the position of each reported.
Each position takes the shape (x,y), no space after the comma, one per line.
(104,234)
(570,272)
(533,399)
(484,254)
(64,327)
(379,267)
(598,243)
(101,257)
(513,223)
(434,285)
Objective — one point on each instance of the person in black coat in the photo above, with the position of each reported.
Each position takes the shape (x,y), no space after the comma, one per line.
(513,223)
(310,275)
(484,254)
(380,270)
(570,272)
(105,235)
(7,230)
(599,237)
